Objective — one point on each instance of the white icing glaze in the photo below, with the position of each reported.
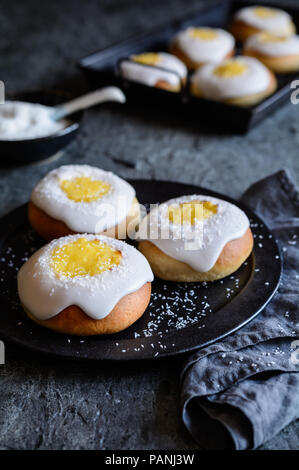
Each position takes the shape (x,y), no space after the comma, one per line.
(45,294)
(289,46)
(150,75)
(202,50)
(254,80)
(21,120)
(197,245)
(278,24)
(93,217)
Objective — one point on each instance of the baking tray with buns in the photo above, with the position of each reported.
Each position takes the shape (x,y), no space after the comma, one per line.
(103,67)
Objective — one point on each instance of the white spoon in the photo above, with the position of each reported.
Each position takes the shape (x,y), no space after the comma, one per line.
(110,93)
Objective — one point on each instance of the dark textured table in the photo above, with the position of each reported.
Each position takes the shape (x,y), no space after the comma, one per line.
(50,405)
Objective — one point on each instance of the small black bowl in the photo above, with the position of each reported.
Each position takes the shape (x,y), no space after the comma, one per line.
(30,150)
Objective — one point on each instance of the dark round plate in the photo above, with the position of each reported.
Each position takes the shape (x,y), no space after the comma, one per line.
(29,150)
(181,316)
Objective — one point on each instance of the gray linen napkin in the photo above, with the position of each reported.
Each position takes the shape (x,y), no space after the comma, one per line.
(240,392)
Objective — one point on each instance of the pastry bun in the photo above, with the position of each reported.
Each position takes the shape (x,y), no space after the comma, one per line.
(278,53)
(255,19)
(155,69)
(85,285)
(165,267)
(82,199)
(198,46)
(49,228)
(195,238)
(73,321)
(256,84)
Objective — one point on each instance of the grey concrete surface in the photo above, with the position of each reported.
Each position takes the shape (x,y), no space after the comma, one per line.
(50,405)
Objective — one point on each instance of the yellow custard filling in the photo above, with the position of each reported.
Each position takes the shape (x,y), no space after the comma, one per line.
(84,189)
(267,37)
(84,257)
(191,212)
(148,58)
(231,68)
(203,33)
(264,12)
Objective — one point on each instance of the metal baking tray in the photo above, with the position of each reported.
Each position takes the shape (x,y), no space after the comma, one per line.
(101,68)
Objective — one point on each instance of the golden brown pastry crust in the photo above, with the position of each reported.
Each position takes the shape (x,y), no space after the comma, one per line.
(190,64)
(164,85)
(283,64)
(49,228)
(242,30)
(247,100)
(73,321)
(230,259)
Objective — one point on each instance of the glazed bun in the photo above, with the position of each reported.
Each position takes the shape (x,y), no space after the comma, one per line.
(278,53)
(49,228)
(155,69)
(197,46)
(85,285)
(230,259)
(73,321)
(254,19)
(82,199)
(240,81)
(195,238)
